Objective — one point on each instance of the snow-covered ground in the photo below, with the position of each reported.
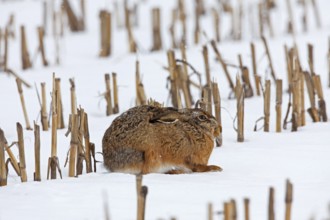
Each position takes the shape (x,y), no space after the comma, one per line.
(250,168)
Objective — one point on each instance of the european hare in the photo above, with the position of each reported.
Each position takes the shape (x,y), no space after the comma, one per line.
(150,139)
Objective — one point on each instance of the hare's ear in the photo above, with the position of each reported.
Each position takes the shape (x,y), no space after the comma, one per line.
(165,117)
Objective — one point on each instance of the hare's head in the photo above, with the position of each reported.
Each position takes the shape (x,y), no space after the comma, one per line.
(202,119)
(194,116)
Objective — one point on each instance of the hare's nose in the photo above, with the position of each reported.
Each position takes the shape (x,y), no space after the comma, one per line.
(214,123)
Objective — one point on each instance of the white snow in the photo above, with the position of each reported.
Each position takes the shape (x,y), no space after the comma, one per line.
(250,168)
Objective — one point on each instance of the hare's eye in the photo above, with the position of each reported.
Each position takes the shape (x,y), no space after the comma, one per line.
(202,117)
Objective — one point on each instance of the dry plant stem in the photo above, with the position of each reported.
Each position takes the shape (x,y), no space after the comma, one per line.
(285,120)
(44,15)
(269,23)
(233,22)
(13,160)
(10,26)
(22,164)
(302,99)
(247,84)
(254,68)
(53,17)
(1,37)
(26,63)
(53,162)
(5,58)
(173,77)
(141,197)
(328,57)
(183,85)
(11,72)
(115,94)
(44,115)
(261,19)
(240,61)
(246,209)
(234,210)
(59,107)
(197,25)
(73,144)
(227,210)
(92,150)
(53,165)
(128,25)
(271,211)
(56,36)
(288,200)
(172,28)
(143,194)
(184,75)
(41,46)
(296,53)
(37,173)
(311,58)
(313,112)
(106,206)
(105,18)
(322,104)
(109,110)
(317,14)
(54,120)
(224,66)
(72,18)
(20,91)
(87,145)
(288,59)
(80,147)
(210,211)
(238,29)
(182,17)
(140,93)
(296,97)
(217,109)
(207,65)
(137,82)
(279,92)
(73,96)
(134,12)
(3,170)
(267,106)
(216,23)
(240,110)
(54,142)
(304,16)
(156,30)
(207,98)
(83,15)
(269,58)
(291,26)
(178,84)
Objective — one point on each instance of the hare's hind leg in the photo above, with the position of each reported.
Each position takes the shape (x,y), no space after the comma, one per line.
(124,160)
(204,168)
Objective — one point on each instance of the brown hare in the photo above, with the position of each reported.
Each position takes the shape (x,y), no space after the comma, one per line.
(150,139)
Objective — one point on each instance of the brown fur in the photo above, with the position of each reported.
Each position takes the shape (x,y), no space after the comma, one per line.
(148,139)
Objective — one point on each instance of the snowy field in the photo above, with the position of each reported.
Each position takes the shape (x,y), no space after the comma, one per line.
(249,168)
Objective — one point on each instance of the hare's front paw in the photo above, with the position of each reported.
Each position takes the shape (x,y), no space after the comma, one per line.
(213,168)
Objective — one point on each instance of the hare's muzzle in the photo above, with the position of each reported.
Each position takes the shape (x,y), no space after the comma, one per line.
(217,128)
